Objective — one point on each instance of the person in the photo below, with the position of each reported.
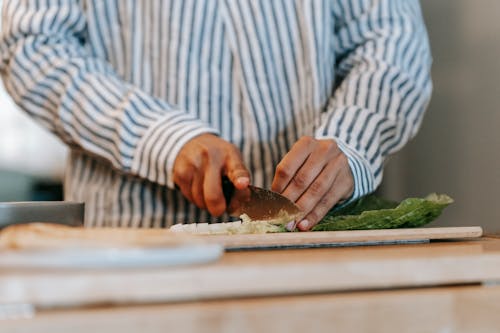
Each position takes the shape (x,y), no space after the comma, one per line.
(157,100)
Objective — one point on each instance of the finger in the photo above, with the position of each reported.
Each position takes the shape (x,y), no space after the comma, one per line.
(183,180)
(304,179)
(197,190)
(320,186)
(292,161)
(212,189)
(341,189)
(186,191)
(236,171)
(324,151)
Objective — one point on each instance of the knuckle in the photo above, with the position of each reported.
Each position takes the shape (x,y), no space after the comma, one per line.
(181,178)
(317,188)
(305,204)
(325,202)
(282,171)
(238,166)
(304,142)
(332,148)
(299,180)
(308,139)
(238,170)
(205,153)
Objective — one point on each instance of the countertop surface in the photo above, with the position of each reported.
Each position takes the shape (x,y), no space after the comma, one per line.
(266,272)
(441,286)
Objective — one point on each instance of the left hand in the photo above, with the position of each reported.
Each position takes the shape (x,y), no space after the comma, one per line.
(314,174)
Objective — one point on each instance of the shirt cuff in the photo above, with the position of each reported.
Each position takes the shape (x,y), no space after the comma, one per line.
(160,145)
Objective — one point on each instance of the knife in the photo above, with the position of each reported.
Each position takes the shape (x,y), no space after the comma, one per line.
(259,204)
(61,212)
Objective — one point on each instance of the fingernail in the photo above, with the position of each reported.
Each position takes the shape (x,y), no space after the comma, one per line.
(290,226)
(243,181)
(304,225)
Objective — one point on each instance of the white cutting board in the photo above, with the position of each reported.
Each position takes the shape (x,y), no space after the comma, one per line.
(342,238)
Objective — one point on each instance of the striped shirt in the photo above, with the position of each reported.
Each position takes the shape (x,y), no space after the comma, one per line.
(125,83)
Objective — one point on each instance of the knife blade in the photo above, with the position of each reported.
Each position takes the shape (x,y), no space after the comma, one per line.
(61,212)
(259,204)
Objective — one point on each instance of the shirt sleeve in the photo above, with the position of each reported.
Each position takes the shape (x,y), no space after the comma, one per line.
(50,74)
(383,83)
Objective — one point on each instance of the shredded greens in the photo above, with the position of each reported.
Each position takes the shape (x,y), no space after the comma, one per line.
(229,228)
(256,227)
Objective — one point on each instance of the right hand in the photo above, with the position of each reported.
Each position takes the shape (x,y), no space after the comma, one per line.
(199,167)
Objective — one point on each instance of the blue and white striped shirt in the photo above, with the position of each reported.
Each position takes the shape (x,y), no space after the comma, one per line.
(125,83)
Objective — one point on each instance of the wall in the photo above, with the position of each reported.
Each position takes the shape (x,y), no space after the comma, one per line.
(458,148)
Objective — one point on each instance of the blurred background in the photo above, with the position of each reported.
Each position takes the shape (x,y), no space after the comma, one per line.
(31,159)
(456,152)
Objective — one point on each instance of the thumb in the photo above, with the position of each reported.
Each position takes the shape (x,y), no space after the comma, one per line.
(237,173)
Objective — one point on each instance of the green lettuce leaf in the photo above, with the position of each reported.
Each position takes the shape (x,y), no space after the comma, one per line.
(371,212)
(368,202)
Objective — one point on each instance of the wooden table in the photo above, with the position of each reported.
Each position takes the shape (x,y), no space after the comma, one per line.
(446,286)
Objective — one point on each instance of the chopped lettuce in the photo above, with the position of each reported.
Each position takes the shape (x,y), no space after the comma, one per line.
(257,227)
(228,228)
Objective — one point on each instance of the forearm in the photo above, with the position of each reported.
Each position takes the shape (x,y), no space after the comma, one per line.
(50,75)
(384,74)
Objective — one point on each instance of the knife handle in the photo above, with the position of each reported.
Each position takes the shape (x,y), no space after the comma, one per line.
(228,189)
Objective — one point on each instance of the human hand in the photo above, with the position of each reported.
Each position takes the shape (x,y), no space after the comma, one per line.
(199,167)
(315,174)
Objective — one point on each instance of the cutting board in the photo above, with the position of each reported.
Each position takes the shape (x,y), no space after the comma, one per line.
(45,236)
(262,273)
(342,238)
